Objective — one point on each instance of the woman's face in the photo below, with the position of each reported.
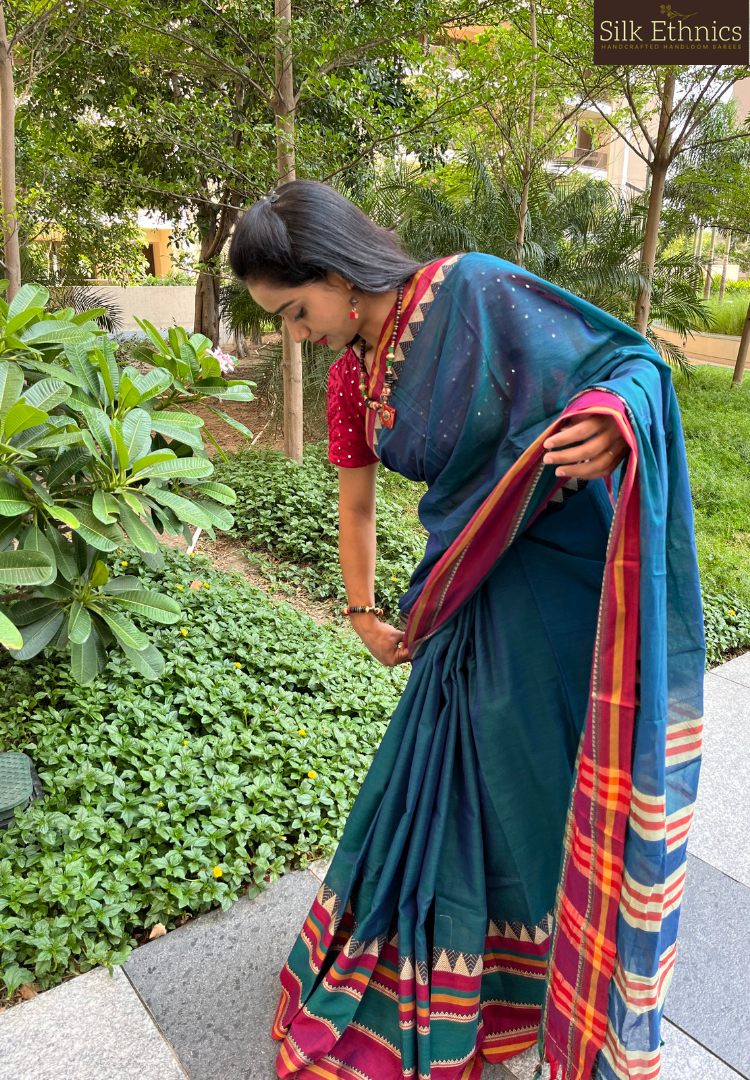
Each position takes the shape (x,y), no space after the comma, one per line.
(319,311)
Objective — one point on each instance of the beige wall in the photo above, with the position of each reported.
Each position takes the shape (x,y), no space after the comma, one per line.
(741,94)
(162,305)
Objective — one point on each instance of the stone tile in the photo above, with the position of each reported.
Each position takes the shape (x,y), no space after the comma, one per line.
(213,987)
(710,994)
(92,1027)
(519,1068)
(737,670)
(682,1058)
(319,868)
(722,814)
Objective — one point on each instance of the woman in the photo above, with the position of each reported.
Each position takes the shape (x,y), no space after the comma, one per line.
(512,867)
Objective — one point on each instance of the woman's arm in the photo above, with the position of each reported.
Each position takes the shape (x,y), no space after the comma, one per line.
(357,557)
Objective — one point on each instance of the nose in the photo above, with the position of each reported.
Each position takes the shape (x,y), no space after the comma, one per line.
(297,333)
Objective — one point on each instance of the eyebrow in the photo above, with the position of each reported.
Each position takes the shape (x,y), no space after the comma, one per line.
(286,305)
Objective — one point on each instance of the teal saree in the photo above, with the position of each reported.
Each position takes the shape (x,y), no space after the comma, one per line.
(511,870)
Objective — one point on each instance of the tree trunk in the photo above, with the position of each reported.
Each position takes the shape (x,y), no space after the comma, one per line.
(284,109)
(725,264)
(709,268)
(700,244)
(658,174)
(527,171)
(207,293)
(12,248)
(739,367)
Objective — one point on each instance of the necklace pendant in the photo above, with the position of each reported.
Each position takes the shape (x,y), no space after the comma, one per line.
(387,416)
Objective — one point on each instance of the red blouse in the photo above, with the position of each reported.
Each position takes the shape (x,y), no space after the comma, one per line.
(347,444)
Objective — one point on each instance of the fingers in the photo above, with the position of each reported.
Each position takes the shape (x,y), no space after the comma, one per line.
(578,431)
(602,465)
(588,450)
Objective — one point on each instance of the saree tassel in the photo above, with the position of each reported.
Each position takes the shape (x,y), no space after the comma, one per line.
(537,1072)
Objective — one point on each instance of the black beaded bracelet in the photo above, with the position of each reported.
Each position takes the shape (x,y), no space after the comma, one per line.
(351,610)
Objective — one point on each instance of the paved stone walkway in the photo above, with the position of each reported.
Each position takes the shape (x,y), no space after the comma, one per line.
(197,1004)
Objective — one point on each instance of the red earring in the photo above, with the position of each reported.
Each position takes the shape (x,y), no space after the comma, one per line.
(354,314)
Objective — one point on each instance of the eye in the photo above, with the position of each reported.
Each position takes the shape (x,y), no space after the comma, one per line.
(299,315)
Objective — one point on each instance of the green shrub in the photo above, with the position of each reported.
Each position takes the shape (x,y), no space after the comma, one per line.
(291,511)
(729,316)
(170,797)
(727,623)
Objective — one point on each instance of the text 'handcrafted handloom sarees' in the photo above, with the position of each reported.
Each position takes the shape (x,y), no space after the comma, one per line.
(512,868)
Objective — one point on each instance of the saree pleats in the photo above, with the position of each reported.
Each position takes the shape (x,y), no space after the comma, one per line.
(428,941)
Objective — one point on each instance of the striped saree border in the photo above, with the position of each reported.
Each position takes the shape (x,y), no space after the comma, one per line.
(583,953)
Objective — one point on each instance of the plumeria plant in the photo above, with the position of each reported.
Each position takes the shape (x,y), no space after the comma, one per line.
(199,372)
(94,456)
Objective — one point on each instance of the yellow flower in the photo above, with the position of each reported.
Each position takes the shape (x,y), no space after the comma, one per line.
(302,731)
(181,588)
(218,872)
(325,729)
(732,611)
(237,663)
(184,742)
(161,804)
(191,554)
(312,774)
(206,586)
(183,631)
(394,579)
(123,563)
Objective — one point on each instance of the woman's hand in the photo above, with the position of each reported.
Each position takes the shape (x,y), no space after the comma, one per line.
(381,639)
(600,448)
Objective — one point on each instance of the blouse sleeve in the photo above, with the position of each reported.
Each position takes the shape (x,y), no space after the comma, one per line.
(347,444)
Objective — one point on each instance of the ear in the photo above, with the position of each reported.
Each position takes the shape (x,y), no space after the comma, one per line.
(337,282)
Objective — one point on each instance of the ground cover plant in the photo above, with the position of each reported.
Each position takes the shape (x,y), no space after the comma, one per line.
(291,512)
(172,797)
(716,420)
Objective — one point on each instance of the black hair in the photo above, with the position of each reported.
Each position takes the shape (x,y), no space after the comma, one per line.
(306,229)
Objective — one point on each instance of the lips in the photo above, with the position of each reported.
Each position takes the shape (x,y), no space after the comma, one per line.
(322,341)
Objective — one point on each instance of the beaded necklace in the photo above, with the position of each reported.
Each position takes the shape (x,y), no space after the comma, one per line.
(387,412)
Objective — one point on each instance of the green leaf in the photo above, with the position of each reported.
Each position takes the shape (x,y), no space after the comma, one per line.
(26,612)
(104,358)
(39,634)
(12,501)
(100,574)
(189,356)
(128,396)
(151,384)
(154,336)
(14,976)
(150,604)
(185,509)
(230,420)
(126,632)
(68,464)
(84,659)
(61,438)
(217,515)
(120,447)
(149,662)
(192,466)
(63,549)
(9,530)
(94,532)
(79,625)
(10,636)
(61,513)
(132,500)
(220,492)
(11,385)
(28,296)
(56,372)
(235,392)
(21,416)
(99,423)
(122,583)
(151,459)
(35,540)
(105,506)
(136,433)
(47,394)
(176,426)
(153,560)
(137,531)
(53,332)
(78,358)
(19,568)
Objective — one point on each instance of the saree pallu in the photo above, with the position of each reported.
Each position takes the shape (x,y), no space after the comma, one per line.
(512,868)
